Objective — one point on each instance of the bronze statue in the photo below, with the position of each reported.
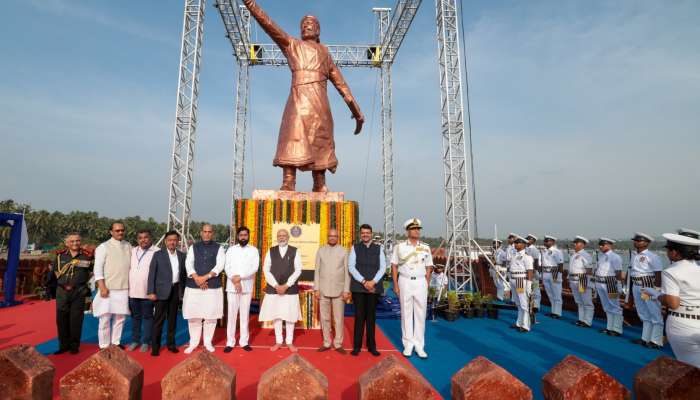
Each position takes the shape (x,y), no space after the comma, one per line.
(306,133)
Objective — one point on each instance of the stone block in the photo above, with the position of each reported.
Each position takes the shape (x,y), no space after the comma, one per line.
(482,379)
(574,378)
(293,378)
(25,374)
(392,379)
(107,374)
(200,376)
(667,379)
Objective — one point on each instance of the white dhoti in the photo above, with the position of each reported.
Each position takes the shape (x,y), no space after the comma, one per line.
(649,312)
(684,336)
(612,308)
(202,308)
(115,306)
(553,289)
(237,302)
(413,296)
(584,301)
(278,308)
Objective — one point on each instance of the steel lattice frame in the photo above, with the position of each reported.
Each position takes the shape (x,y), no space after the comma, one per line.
(180,199)
(455,154)
(391,33)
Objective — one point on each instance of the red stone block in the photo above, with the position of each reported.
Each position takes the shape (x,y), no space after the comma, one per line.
(107,374)
(667,379)
(293,378)
(392,379)
(200,376)
(482,379)
(574,379)
(25,374)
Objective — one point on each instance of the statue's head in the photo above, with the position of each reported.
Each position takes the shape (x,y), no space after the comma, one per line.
(310,28)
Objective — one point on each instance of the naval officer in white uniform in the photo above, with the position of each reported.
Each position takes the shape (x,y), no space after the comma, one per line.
(646,273)
(499,272)
(580,272)
(553,274)
(608,285)
(411,266)
(680,292)
(534,252)
(521,274)
(693,234)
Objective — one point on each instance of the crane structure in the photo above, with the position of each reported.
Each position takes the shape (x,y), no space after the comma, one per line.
(391,29)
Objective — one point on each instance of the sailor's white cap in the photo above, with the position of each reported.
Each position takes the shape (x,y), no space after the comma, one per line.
(689,232)
(642,236)
(519,238)
(497,241)
(580,239)
(680,239)
(413,223)
(512,235)
(549,237)
(531,236)
(605,240)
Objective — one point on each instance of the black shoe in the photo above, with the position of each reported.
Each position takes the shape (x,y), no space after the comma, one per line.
(247,348)
(604,331)
(584,325)
(322,349)
(60,351)
(555,316)
(522,330)
(173,349)
(639,341)
(514,326)
(355,352)
(577,323)
(613,333)
(155,352)
(74,350)
(654,346)
(375,353)
(121,346)
(228,349)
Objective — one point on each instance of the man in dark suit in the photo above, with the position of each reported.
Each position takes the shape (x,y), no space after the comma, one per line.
(166,279)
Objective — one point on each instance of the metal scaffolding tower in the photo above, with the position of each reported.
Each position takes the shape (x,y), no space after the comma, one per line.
(392,28)
(456,158)
(180,199)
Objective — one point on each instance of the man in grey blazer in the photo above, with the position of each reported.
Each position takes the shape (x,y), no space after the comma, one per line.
(166,279)
(332,288)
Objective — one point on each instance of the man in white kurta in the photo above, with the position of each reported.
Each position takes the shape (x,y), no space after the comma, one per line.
(411,266)
(282,267)
(111,303)
(242,261)
(203,302)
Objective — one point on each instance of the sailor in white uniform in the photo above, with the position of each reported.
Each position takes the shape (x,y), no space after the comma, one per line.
(580,272)
(411,266)
(680,292)
(534,252)
(553,274)
(499,273)
(521,274)
(608,284)
(646,273)
(510,253)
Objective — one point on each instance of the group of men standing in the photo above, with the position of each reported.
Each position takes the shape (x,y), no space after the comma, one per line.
(148,283)
(526,265)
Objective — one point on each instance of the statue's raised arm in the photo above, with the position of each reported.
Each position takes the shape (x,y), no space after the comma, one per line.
(278,35)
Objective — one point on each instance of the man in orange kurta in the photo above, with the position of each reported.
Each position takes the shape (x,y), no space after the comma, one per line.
(306,134)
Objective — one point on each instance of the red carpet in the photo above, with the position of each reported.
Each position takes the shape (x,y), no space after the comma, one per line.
(33,323)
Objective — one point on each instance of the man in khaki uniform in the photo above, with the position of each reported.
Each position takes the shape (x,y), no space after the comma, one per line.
(332,288)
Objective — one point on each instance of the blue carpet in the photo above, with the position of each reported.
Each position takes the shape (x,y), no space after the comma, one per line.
(90,334)
(528,356)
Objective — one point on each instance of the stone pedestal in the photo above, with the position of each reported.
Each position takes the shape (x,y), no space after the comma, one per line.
(392,379)
(666,378)
(107,374)
(574,378)
(297,196)
(200,376)
(293,378)
(482,379)
(25,374)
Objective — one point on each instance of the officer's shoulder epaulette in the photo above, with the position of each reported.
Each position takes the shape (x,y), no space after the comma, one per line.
(424,244)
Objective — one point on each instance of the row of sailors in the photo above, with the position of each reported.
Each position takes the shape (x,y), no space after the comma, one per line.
(677,287)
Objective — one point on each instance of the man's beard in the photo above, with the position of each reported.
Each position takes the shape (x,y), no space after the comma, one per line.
(243,243)
(282,243)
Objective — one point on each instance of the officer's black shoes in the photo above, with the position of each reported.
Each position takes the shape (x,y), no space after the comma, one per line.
(514,326)
(651,345)
(522,330)
(355,352)
(228,349)
(173,349)
(155,352)
(613,333)
(247,348)
(604,331)
(74,350)
(60,351)
(555,316)
(639,341)
(577,323)
(374,352)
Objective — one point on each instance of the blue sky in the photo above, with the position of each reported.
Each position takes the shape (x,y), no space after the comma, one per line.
(585,114)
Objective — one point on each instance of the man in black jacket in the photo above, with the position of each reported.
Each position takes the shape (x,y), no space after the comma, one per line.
(366,265)
(166,279)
